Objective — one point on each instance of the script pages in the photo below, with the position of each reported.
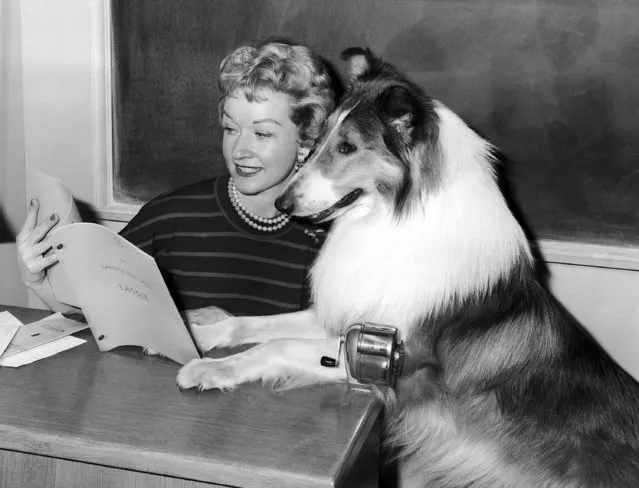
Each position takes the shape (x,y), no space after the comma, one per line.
(120,290)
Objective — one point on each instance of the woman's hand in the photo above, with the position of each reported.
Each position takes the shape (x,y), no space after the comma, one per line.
(32,242)
(201,323)
(205,316)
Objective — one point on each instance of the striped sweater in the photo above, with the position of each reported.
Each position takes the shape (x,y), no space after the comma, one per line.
(209,256)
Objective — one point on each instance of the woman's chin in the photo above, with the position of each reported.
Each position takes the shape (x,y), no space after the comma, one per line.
(250,185)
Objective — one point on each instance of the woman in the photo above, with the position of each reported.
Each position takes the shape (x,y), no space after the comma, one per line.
(221,242)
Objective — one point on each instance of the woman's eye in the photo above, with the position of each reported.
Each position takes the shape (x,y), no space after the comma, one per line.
(346,148)
(263,135)
(229,130)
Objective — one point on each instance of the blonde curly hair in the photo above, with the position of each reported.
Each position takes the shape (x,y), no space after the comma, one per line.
(284,67)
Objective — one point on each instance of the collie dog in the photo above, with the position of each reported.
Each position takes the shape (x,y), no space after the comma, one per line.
(500,387)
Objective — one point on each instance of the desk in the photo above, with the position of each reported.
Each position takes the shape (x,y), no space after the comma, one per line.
(116,419)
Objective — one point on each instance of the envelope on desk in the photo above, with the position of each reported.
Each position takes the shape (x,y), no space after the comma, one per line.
(38,333)
(9,325)
(39,339)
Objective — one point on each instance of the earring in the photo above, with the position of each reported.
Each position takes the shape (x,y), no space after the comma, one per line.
(302,154)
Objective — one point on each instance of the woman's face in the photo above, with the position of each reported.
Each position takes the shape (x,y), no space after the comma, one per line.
(259,143)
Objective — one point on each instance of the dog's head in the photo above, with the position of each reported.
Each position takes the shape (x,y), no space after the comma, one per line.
(379,148)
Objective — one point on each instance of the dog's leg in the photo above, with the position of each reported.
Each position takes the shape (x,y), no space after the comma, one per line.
(234,331)
(286,363)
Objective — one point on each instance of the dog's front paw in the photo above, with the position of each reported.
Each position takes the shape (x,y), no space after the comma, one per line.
(207,374)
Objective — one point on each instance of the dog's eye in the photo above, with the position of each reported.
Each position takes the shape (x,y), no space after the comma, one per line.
(346,148)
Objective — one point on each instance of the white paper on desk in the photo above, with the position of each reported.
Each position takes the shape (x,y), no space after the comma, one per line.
(54,198)
(9,325)
(122,292)
(42,332)
(40,352)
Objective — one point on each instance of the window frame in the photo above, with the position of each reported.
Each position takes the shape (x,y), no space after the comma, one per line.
(107,208)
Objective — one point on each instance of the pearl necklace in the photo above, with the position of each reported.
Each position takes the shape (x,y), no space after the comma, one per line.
(260,223)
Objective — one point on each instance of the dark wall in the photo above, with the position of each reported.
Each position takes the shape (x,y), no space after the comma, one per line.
(555,84)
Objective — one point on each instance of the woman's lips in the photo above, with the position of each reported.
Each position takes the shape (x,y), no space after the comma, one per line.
(247,171)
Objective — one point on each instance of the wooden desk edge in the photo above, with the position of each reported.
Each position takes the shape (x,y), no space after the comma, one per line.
(183,466)
(343,468)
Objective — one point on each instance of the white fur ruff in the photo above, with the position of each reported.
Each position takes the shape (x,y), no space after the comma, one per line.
(450,246)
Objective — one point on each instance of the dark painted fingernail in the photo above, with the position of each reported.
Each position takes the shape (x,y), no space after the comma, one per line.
(54,217)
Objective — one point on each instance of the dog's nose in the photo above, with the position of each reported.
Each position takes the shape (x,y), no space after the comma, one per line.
(284,204)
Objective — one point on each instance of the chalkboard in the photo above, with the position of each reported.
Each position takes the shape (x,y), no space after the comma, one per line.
(554,84)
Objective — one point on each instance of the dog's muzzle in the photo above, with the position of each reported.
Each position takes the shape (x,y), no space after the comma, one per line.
(345,201)
(373,355)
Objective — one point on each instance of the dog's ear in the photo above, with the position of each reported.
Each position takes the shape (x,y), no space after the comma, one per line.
(360,62)
(401,110)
